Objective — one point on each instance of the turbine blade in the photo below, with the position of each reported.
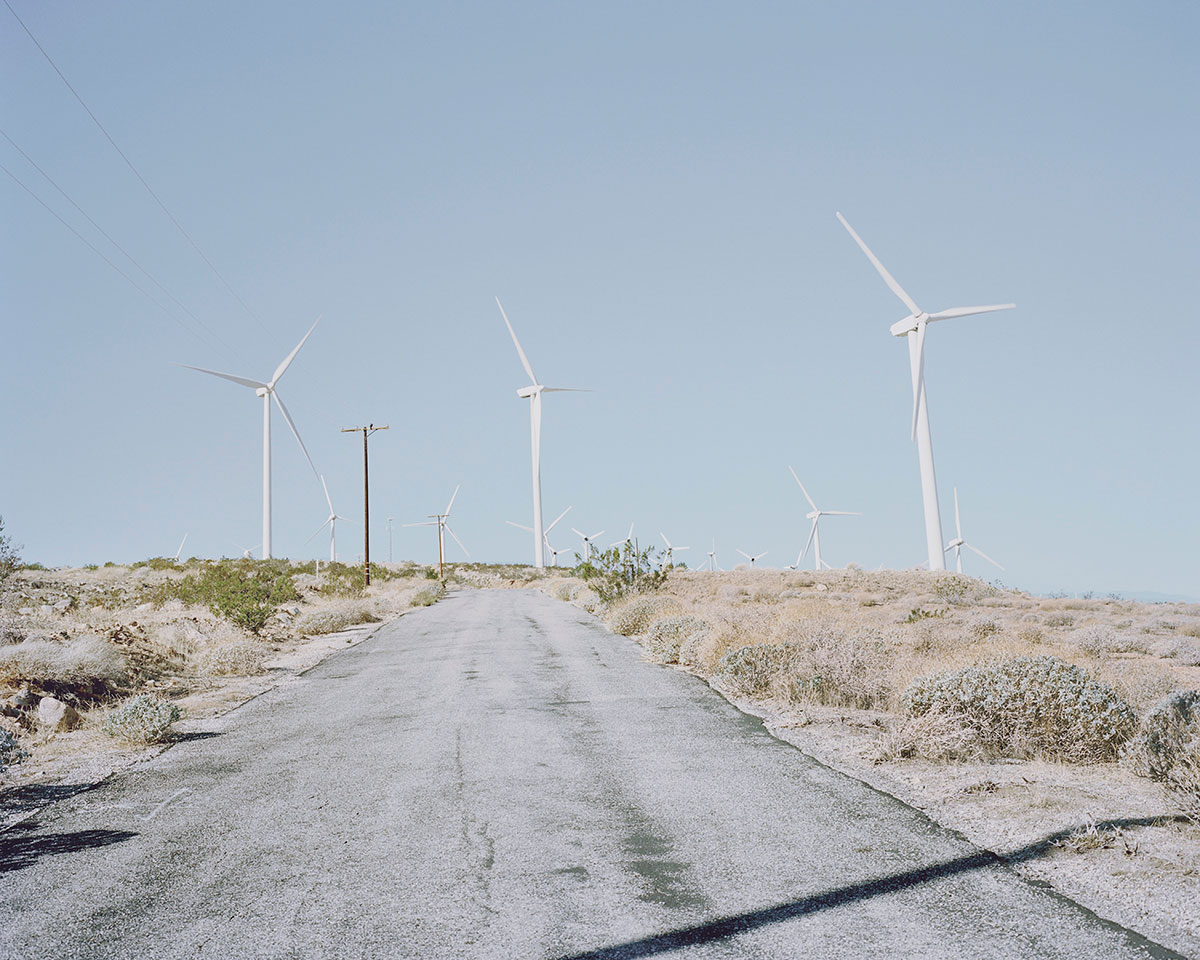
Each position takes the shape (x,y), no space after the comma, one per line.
(918,376)
(295,433)
(969,311)
(566,390)
(840,513)
(456,540)
(802,490)
(420,523)
(957,523)
(665,540)
(327,500)
(982,554)
(594,535)
(580,532)
(318,530)
(451,503)
(244,381)
(811,533)
(746,555)
(556,519)
(292,356)
(519,526)
(887,277)
(517,344)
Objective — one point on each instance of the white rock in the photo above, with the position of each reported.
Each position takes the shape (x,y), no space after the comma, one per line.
(56,715)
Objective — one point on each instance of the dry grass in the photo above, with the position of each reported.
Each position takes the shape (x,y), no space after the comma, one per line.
(87,663)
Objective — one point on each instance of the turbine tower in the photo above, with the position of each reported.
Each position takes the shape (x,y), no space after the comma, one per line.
(913,327)
(267,391)
(814,535)
(712,557)
(533,393)
(958,542)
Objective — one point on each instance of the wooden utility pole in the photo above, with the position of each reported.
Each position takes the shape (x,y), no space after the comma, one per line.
(366,432)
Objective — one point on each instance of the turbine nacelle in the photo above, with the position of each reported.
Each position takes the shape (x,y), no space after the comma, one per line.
(532,390)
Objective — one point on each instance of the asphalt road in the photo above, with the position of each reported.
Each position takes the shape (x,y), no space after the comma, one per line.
(498,776)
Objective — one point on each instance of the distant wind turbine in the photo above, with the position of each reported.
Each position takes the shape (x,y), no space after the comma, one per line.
(958,542)
(533,393)
(814,534)
(441,521)
(913,327)
(545,533)
(331,523)
(628,539)
(712,557)
(180,550)
(588,542)
(671,548)
(757,556)
(267,391)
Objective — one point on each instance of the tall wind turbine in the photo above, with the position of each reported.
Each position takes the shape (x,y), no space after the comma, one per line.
(958,542)
(814,535)
(267,391)
(913,327)
(331,523)
(533,393)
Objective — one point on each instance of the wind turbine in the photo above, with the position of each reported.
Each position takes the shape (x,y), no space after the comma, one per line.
(757,556)
(441,521)
(671,548)
(958,542)
(814,535)
(180,550)
(913,327)
(545,533)
(712,557)
(628,539)
(587,542)
(331,522)
(533,393)
(267,391)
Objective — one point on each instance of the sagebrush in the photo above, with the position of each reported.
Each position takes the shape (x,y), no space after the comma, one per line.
(142,719)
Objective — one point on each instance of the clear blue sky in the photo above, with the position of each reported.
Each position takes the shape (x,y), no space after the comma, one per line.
(650,189)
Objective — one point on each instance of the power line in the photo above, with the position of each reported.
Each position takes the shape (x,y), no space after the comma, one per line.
(105,234)
(129,163)
(142,290)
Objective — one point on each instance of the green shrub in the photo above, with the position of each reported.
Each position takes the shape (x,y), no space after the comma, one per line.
(622,570)
(10,750)
(245,592)
(142,719)
(1026,706)
(10,554)
(428,597)
(668,635)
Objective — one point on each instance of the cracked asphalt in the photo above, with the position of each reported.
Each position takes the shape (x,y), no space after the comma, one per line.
(498,776)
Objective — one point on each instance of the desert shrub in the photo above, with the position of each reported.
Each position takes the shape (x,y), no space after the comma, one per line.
(10,750)
(1166,747)
(1057,620)
(10,554)
(1104,640)
(983,629)
(935,735)
(637,614)
(335,619)
(245,592)
(750,671)
(428,597)
(1029,706)
(844,669)
(954,588)
(142,719)
(87,663)
(622,570)
(668,635)
(238,659)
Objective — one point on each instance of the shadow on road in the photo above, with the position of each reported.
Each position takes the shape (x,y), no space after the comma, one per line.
(724,927)
(20,849)
(18,800)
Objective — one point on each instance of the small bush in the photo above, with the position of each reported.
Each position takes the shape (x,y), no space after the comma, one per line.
(637,615)
(934,735)
(1167,747)
(427,597)
(1104,640)
(1029,706)
(10,750)
(983,629)
(622,570)
(750,671)
(1058,620)
(10,554)
(333,620)
(142,719)
(669,634)
(851,669)
(245,592)
(242,658)
(87,663)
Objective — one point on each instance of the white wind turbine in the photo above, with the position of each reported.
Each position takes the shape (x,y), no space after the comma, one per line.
(913,327)
(757,556)
(267,391)
(588,547)
(441,521)
(814,535)
(628,539)
(331,523)
(180,550)
(958,542)
(545,533)
(533,393)
(671,548)
(712,557)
